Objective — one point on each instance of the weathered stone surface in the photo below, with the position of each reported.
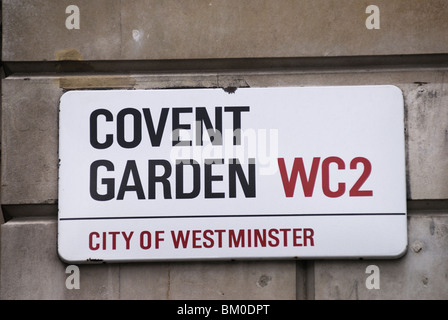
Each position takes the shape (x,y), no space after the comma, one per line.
(236,280)
(427,120)
(31,269)
(34,30)
(144,29)
(29,262)
(29,141)
(145,281)
(421,274)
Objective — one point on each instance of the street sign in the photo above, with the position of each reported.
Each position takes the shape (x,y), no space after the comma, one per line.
(183,174)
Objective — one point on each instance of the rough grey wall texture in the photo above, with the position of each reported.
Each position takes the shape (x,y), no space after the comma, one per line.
(218,44)
(170,29)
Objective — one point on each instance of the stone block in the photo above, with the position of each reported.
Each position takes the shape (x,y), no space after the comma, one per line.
(29,142)
(427,132)
(209,280)
(421,274)
(145,281)
(26,263)
(31,269)
(35,30)
(233,280)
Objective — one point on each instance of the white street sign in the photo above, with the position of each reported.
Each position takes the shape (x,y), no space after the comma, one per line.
(288,172)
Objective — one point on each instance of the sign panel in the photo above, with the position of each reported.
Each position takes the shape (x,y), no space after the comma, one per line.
(286,172)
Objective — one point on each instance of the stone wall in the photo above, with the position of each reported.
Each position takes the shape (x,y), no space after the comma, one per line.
(147,44)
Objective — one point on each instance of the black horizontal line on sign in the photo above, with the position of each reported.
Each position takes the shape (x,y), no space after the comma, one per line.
(235,216)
